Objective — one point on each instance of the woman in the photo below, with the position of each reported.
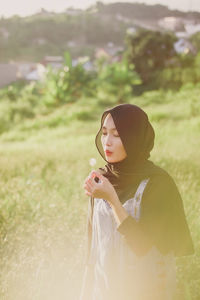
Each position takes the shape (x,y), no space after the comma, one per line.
(136,219)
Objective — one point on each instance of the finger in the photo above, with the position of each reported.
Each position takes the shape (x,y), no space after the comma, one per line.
(90,180)
(84,183)
(88,193)
(96,175)
(92,172)
(88,177)
(87,180)
(100,177)
(103,178)
(85,186)
(93,176)
(88,185)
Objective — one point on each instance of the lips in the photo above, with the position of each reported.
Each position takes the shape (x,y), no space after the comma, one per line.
(108,152)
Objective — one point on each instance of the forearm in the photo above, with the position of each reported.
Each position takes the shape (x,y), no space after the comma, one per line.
(132,231)
(119,212)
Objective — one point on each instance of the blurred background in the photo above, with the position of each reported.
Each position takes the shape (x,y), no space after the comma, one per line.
(62,63)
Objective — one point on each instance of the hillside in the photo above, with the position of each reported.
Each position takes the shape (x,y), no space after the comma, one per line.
(144,11)
(80,32)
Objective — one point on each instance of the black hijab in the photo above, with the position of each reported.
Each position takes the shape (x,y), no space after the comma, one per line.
(137,136)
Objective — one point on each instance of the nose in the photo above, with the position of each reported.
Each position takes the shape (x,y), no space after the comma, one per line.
(108,140)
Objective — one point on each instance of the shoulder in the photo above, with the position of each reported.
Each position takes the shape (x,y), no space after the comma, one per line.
(161,178)
(161,185)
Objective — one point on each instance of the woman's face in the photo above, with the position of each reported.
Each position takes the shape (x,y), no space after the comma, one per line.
(111,141)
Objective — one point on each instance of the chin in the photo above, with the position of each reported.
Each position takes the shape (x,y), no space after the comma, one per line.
(112,160)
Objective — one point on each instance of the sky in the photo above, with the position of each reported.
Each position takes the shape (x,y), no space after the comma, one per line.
(24,7)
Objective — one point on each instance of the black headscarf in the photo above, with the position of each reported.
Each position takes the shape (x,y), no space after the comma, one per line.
(137,136)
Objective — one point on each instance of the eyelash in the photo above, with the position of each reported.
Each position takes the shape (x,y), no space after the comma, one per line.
(106,133)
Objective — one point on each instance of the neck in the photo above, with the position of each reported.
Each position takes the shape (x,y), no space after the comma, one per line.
(126,166)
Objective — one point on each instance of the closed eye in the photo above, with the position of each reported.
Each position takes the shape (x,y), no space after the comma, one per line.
(104,133)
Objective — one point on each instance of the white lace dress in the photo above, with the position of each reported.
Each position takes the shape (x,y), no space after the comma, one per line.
(118,273)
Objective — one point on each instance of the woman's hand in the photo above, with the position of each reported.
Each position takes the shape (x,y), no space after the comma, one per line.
(103,189)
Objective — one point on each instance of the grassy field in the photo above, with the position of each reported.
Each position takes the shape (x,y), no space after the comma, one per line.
(44,162)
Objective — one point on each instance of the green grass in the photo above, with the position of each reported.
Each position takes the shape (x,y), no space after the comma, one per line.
(44,162)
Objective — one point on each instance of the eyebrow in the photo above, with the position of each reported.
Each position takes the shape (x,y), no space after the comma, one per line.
(104,127)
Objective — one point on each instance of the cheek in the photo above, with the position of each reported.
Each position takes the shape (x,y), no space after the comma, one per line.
(120,146)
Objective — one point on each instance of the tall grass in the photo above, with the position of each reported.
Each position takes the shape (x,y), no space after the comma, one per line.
(44,162)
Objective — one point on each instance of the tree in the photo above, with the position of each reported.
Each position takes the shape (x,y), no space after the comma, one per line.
(149,51)
(195,39)
(117,78)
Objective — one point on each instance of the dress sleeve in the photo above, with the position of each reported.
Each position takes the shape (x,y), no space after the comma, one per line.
(162,221)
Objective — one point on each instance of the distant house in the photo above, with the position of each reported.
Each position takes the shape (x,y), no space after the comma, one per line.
(172,23)
(119,17)
(88,66)
(8,74)
(36,74)
(192,28)
(71,44)
(101,53)
(181,34)
(44,13)
(110,52)
(39,41)
(12,72)
(130,30)
(73,11)
(24,68)
(4,32)
(184,46)
(112,49)
(56,62)
(85,62)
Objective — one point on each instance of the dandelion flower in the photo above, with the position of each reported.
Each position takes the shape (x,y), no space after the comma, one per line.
(92,162)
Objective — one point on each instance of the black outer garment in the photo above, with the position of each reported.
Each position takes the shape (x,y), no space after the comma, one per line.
(162,222)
